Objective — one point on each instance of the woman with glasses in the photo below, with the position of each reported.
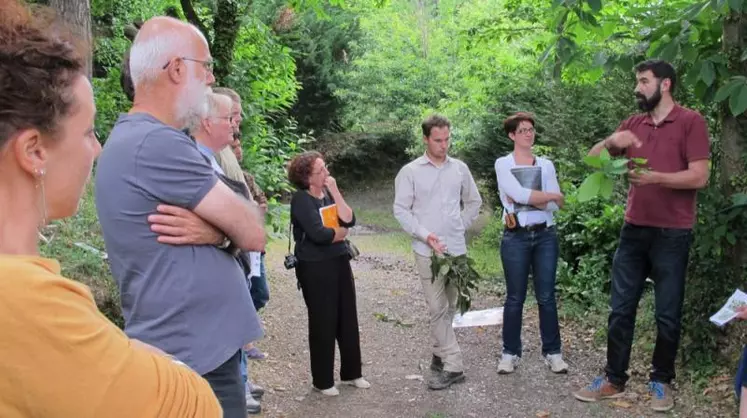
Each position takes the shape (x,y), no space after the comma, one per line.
(60,356)
(529,193)
(321,218)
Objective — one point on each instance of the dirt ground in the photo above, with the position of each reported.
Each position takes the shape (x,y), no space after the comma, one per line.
(395,347)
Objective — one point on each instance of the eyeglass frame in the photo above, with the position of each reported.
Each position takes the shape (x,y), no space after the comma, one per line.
(209,65)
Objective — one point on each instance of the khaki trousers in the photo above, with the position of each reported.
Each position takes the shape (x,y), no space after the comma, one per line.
(441,302)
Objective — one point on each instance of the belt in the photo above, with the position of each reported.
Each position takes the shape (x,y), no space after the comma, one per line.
(533,228)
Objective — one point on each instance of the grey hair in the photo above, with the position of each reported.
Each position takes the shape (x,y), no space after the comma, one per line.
(149,55)
(214,103)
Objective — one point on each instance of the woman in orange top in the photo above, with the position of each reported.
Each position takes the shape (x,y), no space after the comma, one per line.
(59,356)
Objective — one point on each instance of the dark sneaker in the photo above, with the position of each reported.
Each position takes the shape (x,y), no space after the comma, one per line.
(599,389)
(437,365)
(445,379)
(662,399)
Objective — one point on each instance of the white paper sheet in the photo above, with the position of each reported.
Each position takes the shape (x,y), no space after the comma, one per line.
(479,318)
(728,311)
(255,264)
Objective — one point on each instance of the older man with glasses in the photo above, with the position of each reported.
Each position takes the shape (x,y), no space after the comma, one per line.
(169,224)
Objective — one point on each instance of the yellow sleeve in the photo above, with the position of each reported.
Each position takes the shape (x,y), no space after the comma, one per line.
(79,364)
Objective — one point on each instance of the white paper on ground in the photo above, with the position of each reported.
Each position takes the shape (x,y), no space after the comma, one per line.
(479,318)
(728,311)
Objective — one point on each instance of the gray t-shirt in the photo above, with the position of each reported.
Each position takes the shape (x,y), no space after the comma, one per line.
(189,300)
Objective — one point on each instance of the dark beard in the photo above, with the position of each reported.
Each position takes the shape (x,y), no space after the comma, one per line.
(649,104)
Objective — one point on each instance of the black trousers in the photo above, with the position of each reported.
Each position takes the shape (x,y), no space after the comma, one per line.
(329,293)
(228,387)
(662,254)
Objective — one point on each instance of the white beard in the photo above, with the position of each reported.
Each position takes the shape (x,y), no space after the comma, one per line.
(192,104)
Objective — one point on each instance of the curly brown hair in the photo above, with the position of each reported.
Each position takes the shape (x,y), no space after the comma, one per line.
(300,168)
(40,60)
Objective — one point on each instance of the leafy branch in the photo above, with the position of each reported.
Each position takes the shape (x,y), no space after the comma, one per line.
(602,180)
(459,272)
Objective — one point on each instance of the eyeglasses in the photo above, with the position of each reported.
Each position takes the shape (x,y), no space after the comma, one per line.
(523,131)
(228,118)
(324,168)
(208,65)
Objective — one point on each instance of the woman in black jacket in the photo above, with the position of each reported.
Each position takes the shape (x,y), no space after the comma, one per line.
(321,219)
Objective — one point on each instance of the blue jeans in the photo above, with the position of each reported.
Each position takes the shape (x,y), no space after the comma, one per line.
(259,289)
(662,254)
(520,251)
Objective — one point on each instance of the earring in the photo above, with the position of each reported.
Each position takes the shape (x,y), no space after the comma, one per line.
(43,198)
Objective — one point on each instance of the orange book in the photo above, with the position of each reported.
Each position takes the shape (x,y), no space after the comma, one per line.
(329,216)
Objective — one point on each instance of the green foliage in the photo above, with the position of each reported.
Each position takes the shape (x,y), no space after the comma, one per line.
(457,271)
(602,180)
(78,244)
(588,234)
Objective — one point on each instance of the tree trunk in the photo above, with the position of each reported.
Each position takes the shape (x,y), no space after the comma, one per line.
(557,70)
(423,22)
(733,129)
(78,14)
(226,28)
(191,15)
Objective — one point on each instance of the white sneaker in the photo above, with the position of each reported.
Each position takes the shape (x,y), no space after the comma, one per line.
(360,383)
(556,363)
(252,405)
(508,363)
(329,392)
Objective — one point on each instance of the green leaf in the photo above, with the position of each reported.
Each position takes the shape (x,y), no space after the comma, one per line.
(596,5)
(620,162)
(604,155)
(605,189)
(735,5)
(590,187)
(593,161)
(744,56)
(738,100)
(708,72)
(731,238)
(620,170)
(726,90)
(669,52)
(639,161)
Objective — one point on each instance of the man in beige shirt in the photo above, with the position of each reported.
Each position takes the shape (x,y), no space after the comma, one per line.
(429,194)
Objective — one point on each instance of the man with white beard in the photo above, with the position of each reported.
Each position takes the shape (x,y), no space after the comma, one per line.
(181,288)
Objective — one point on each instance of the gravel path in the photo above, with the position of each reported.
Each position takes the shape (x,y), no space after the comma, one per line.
(395,345)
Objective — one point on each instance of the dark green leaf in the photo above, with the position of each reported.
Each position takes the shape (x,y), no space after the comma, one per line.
(590,187)
(593,161)
(605,189)
(735,5)
(596,5)
(708,72)
(731,238)
(738,101)
(669,52)
(725,91)
(744,55)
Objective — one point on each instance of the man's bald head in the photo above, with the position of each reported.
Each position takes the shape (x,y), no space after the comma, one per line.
(171,70)
(160,40)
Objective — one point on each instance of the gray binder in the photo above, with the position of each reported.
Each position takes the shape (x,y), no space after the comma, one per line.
(529,178)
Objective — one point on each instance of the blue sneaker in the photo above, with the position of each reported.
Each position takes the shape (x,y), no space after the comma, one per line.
(662,399)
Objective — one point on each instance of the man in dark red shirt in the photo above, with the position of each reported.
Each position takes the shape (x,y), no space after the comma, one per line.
(655,239)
